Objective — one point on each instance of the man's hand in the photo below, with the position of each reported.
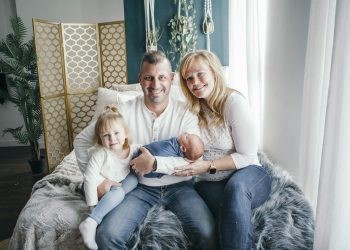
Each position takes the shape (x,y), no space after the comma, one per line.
(105,186)
(143,164)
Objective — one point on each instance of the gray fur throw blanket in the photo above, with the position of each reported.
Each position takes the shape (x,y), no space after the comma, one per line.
(286,220)
(51,217)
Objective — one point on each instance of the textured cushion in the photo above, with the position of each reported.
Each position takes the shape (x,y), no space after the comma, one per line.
(124,92)
(108,96)
(175,91)
(127,87)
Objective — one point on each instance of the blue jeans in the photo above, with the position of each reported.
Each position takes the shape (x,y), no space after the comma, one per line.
(180,198)
(113,197)
(231,202)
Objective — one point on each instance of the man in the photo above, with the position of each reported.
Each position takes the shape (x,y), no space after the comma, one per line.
(151,117)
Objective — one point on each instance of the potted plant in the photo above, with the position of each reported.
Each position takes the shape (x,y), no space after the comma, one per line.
(183,30)
(18,63)
(152,39)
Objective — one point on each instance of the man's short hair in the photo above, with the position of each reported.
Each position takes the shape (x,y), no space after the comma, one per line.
(153,57)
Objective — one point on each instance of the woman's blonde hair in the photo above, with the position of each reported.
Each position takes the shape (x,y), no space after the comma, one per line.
(217,99)
(104,121)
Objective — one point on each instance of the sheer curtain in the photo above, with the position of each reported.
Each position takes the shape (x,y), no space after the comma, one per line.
(247,24)
(325,138)
(316,84)
(325,130)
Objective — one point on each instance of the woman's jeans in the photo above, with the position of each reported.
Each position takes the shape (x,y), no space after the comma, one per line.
(118,226)
(113,197)
(231,202)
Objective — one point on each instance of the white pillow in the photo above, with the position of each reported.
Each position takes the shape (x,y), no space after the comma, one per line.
(127,87)
(108,96)
(175,91)
(122,93)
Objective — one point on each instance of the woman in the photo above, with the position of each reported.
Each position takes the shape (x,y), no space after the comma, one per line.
(232,182)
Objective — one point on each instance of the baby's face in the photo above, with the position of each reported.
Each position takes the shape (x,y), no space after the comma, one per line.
(185,139)
(191,145)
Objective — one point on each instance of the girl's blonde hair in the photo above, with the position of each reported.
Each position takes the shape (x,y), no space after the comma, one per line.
(104,121)
(217,99)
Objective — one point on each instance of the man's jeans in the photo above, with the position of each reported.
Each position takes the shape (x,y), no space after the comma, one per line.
(231,202)
(181,198)
(113,197)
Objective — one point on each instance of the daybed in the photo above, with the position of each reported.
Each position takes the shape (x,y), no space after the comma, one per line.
(51,217)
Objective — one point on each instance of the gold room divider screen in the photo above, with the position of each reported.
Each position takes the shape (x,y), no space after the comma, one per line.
(73,61)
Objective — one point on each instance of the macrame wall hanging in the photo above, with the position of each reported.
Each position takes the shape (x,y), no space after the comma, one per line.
(152,33)
(208,23)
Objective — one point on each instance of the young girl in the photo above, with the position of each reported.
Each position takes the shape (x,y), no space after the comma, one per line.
(109,160)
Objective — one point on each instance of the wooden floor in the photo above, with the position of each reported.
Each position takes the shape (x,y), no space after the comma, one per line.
(16,182)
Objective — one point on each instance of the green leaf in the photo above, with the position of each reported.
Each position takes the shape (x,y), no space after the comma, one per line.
(18,28)
(18,134)
(183,31)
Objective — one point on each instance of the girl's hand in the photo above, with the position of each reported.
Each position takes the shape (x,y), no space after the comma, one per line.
(105,186)
(194,168)
(143,164)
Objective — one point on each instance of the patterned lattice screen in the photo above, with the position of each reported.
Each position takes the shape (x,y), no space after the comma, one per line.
(73,61)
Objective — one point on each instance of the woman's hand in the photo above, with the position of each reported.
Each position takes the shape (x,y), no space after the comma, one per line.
(143,164)
(194,168)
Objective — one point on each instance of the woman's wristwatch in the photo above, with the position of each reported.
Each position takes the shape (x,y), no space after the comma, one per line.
(212,168)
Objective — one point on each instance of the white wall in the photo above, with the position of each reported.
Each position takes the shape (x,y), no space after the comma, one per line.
(10,117)
(287,26)
(7,9)
(81,11)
